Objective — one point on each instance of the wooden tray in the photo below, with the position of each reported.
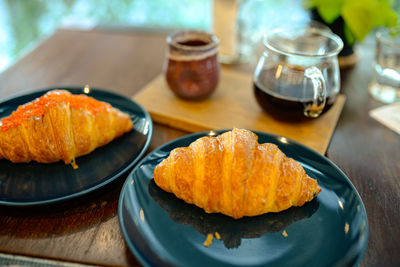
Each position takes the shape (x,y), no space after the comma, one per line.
(233,105)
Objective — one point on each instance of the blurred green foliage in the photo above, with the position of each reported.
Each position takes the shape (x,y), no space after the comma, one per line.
(360,16)
(23,23)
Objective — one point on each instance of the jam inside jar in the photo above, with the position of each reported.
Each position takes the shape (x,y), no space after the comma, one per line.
(191,65)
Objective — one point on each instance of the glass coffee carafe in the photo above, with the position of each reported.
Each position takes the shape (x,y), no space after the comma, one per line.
(298,75)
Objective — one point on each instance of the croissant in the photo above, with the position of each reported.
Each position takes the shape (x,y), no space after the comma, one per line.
(234,175)
(60,126)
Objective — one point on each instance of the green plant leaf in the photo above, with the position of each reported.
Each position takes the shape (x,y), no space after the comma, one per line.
(310,4)
(350,38)
(329,10)
(360,16)
(386,16)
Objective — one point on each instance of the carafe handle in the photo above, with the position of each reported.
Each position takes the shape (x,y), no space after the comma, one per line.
(314,108)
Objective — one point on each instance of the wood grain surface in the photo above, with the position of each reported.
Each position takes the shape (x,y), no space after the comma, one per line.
(86,230)
(233,105)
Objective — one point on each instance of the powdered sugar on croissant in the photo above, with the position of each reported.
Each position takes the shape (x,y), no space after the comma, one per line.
(235,175)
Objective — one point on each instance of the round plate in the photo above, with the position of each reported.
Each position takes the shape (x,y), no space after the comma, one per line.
(27,184)
(161,229)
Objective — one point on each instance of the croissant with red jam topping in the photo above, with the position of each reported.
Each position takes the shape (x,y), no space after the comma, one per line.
(60,126)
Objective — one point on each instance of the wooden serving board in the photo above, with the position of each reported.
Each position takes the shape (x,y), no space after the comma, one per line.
(233,105)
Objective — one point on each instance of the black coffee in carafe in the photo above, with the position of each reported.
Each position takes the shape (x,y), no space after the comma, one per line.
(278,91)
(297,76)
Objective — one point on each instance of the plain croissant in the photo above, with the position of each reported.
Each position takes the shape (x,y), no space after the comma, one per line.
(60,126)
(235,175)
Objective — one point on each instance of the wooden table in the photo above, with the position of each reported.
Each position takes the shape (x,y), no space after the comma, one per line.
(86,230)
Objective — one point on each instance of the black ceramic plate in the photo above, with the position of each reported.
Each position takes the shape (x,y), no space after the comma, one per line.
(161,230)
(33,183)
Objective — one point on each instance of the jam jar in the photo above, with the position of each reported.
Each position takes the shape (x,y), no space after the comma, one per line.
(191,65)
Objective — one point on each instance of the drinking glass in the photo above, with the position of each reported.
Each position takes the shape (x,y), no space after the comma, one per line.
(385,86)
(298,75)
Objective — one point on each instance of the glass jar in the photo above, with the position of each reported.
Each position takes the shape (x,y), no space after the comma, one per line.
(191,64)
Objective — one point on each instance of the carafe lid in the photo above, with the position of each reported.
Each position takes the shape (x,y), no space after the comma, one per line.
(309,40)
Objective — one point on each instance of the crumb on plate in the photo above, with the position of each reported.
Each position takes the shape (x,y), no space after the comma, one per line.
(208,241)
